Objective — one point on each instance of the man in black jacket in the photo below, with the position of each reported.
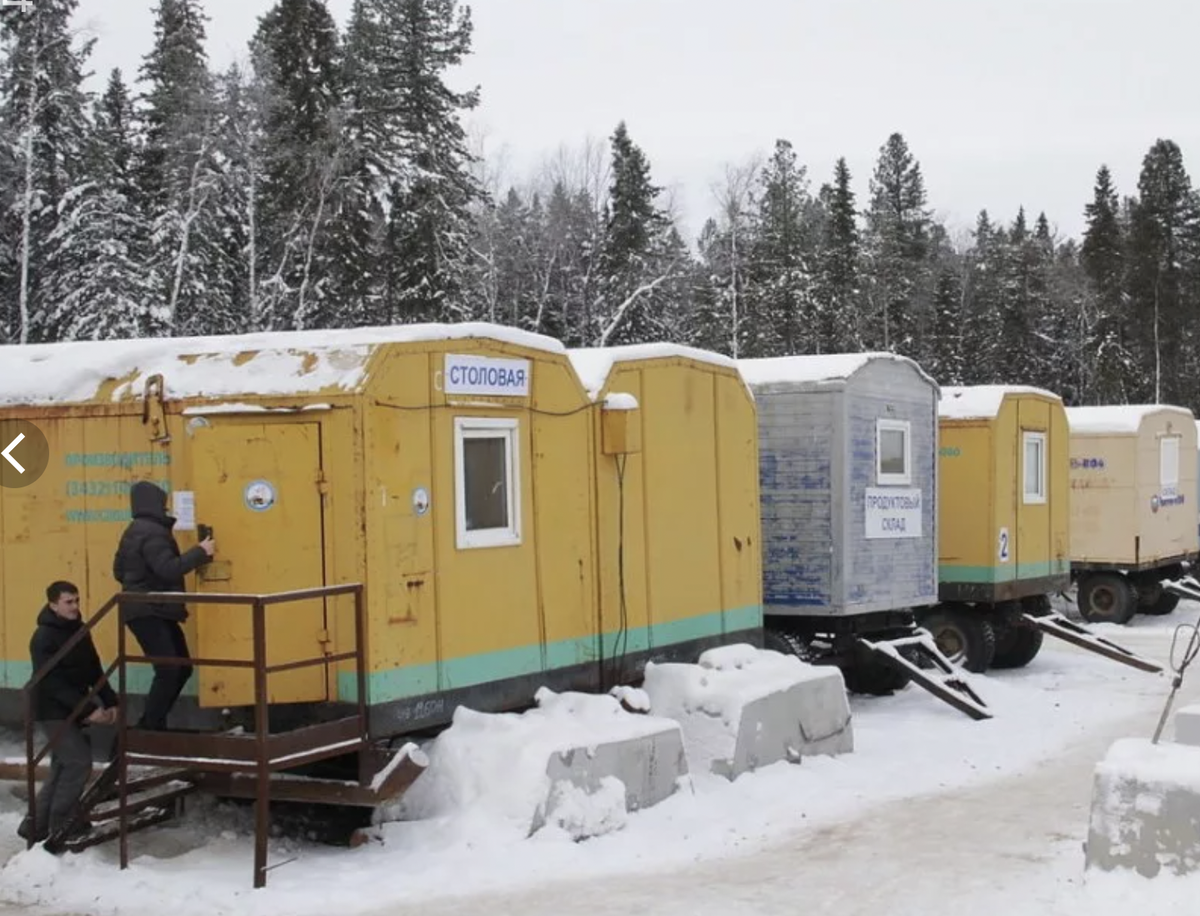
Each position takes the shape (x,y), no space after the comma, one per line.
(55,698)
(148,560)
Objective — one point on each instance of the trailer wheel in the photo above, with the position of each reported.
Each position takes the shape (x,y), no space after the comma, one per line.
(1107,598)
(788,644)
(1017,645)
(868,675)
(963,636)
(1166,603)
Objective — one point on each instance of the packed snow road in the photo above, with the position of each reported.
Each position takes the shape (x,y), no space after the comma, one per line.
(930,813)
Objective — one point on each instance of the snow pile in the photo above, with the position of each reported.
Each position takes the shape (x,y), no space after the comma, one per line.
(620,401)
(982,402)
(1146,809)
(920,772)
(1119,419)
(593,365)
(495,770)
(269,363)
(777,370)
(742,708)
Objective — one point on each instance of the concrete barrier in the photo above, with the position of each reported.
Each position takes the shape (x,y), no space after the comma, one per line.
(1146,809)
(1187,726)
(644,770)
(742,708)
(578,762)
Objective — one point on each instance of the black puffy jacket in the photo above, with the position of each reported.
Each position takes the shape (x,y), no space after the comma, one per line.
(148,559)
(68,682)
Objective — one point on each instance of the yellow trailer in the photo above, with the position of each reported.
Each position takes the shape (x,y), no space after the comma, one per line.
(1002,520)
(1133,521)
(463,473)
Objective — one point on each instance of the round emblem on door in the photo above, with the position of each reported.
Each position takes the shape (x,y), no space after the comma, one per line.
(259,496)
(420,500)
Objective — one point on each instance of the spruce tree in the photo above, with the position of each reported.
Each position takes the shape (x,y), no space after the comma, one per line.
(636,259)
(897,244)
(100,250)
(779,319)
(1162,256)
(297,94)
(43,114)
(178,174)
(837,287)
(1102,256)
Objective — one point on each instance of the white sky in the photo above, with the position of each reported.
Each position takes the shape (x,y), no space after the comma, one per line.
(1004,102)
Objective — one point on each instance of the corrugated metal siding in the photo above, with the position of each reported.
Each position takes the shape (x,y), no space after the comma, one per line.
(884,574)
(796,475)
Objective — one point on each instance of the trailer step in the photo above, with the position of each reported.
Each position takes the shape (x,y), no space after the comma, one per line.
(1055,624)
(947,683)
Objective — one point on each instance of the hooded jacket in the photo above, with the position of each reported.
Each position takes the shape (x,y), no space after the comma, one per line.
(68,682)
(148,558)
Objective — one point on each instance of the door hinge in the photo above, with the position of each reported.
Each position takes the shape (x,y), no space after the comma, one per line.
(322,483)
(323,637)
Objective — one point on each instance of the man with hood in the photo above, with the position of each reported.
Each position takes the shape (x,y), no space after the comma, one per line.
(148,560)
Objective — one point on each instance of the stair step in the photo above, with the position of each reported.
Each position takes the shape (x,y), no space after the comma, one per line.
(110,830)
(157,796)
(148,778)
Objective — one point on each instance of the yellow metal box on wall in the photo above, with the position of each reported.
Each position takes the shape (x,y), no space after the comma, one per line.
(621,425)
(1004,495)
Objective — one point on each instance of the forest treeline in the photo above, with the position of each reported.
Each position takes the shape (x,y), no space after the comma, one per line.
(332,183)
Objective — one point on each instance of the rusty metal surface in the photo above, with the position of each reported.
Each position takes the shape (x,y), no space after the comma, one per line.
(209,756)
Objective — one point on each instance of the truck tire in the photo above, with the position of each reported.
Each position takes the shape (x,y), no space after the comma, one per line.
(963,635)
(1017,646)
(1107,598)
(1166,603)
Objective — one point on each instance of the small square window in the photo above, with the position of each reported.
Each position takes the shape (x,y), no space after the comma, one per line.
(893,452)
(487,483)
(1034,472)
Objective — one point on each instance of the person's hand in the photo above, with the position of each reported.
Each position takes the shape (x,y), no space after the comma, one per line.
(208,546)
(110,716)
(98,717)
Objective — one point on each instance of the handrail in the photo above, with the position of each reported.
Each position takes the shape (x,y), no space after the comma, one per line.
(262,671)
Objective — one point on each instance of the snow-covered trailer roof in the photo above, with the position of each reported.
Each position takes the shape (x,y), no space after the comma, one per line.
(593,365)
(818,370)
(1117,419)
(982,402)
(272,363)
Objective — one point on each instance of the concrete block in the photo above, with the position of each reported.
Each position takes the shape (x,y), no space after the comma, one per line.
(1145,813)
(645,769)
(1187,726)
(742,708)
(577,762)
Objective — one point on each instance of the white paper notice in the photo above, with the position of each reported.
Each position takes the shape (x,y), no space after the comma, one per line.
(185,510)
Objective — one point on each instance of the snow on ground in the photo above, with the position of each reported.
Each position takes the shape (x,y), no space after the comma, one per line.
(932,813)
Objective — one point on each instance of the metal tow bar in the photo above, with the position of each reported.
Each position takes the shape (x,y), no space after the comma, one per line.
(1055,624)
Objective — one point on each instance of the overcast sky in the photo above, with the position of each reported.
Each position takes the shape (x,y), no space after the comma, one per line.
(1004,102)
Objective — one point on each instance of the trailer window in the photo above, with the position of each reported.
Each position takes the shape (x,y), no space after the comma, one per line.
(1035,467)
(487,482)
(1168,466)
(893,452)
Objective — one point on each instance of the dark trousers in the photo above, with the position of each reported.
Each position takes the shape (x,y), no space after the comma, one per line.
(70,768)
(160,638)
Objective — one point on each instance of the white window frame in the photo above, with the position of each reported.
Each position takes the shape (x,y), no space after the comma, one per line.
(1168,482)
(903,426)
(488,428)
(1036,497)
